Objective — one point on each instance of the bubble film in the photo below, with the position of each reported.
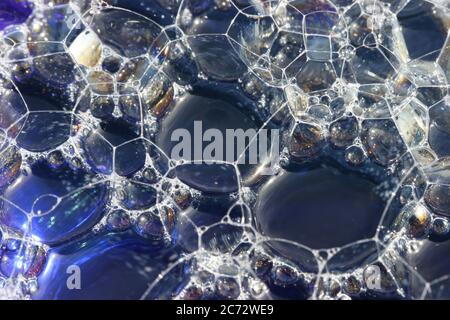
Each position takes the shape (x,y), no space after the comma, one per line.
(98,201)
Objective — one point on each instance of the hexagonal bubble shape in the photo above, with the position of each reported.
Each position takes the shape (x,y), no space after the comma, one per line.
(204,17)
(372,65)
(115,146)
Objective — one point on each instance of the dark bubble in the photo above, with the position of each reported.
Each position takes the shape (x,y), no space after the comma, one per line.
(325,206)
(102,107)
(343,132)
(118,220)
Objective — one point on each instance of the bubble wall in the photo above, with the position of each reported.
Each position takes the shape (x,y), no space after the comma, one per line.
(352,201)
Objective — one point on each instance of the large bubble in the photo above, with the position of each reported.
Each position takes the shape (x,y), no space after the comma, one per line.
(232,149)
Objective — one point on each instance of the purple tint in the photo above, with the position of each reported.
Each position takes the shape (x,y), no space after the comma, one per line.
(14,12)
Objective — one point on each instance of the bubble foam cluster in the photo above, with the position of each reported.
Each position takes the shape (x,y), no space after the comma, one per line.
(357,204)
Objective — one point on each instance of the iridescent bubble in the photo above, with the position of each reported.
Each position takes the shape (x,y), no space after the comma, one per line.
(118,220)
(306,141)
(343,132)
(10,163)
(382,141)
(78,208)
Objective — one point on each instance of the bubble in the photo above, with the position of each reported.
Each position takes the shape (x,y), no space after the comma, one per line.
(44,204)
(118,220)
(355,155)
(130,105)
(209,47)
(44,131)
(62,210)
(262,265)
(350,204)
(343,132)
(150,226)
(102,107)
(150,175)
(56,158)
(111,64)
(100,82)
(436,198)
(108,262)
(227,288)
(137,196)
(194,115)
(307,140)
(352,285)
(377,280)
(433,29)
(10,163)
(57,68)
(325,207)
(114,146)
(284,275)
(15,13)
(440,226)
(382,141)
(193,292)
(25,260)
(86,49)
(418,220)
(129,34)
(431,261)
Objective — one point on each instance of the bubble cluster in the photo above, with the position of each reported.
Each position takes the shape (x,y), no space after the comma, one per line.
(358,201)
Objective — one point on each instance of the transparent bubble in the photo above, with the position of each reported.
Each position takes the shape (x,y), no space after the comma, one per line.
(351,202)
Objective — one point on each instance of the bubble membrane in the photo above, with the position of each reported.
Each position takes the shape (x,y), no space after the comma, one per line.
(357,202)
